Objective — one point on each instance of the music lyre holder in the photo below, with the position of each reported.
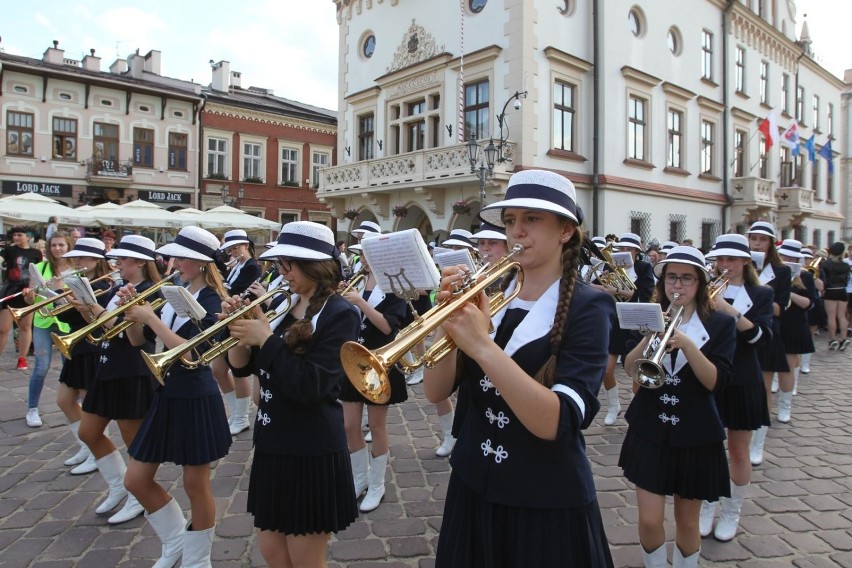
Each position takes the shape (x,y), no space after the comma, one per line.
(406,291)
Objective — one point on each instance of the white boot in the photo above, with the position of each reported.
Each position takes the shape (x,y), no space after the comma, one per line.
(230,401)
(132,509)
(806,363)
(376,490)
(240,423)
(83,453)
(360,468)
(679,561)
(758,438)
(446,448)
(729,516)
(774,387)
(112,468)
(657,558)
(613,406)
(170,526)
(785,406)
(197,546)
(705,519)
(796,381)
(87,466)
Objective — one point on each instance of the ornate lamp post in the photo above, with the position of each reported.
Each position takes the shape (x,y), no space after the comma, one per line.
(233,201)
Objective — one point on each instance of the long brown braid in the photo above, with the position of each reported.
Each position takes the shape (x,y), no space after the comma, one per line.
(570,268)
(326,275)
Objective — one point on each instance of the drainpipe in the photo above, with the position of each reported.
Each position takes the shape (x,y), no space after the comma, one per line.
(201,151)
(596,118)
(726,176)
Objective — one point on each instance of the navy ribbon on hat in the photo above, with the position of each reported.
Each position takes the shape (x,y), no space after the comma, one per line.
(461,238)
(367,228)
(544,193)
(86,248)
(630,240)
(732,245)
(762,226)
(236,238)
(683,257)
(134,248)
(307,242)
(193,245)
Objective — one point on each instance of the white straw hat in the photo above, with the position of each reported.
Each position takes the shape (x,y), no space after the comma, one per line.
(536,189)
(133,246)
(303,240)
(367,227)
(459,238)
(194,243)
(629,240)
(489,231)
(235,237)
(762,228)
(684,255)
(85,246)
(731,244)
(791,248)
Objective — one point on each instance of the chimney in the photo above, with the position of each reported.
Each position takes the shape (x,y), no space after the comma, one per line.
(221,71)
(847,76)
(152,62)
(54,54)
(236,78)
(119,67)
(135,65)
(92,63)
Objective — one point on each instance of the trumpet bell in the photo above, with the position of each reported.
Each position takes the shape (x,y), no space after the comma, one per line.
(648,374)
(366,371)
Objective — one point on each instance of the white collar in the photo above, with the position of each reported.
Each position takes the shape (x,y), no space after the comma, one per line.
(695,331)
(537,323)
(767,274)
(742,301)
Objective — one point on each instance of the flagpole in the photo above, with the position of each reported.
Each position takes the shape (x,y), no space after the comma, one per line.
(734,159)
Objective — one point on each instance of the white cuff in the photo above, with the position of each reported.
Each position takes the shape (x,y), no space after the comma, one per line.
(758,336)
(564,389)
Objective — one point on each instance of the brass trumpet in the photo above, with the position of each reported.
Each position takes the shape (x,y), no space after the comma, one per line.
(65,343)
(813,266)
(368,370)
(719,284)
(40,307)
(357,282)
(160,363)
(617,277)
(648,372)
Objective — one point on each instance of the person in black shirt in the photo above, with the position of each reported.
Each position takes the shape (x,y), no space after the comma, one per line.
(835,274)
(300,488)
(16,276)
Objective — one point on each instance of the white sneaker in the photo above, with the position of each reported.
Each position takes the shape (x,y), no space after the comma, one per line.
(416,377)
(33,419)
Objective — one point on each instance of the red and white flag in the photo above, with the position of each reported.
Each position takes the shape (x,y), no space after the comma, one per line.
(769,128)
(790,138)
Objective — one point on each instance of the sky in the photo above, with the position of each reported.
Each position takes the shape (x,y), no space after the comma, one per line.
(289,46)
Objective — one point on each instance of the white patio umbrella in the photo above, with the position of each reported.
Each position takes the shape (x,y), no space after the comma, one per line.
(36,208)
(227,217)
(138,213)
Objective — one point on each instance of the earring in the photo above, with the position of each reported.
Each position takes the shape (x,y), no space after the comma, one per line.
(203,268)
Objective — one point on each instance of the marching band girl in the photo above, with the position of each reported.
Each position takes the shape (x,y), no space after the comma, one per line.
(300,489)
(521,491)
(795,331)
(237,392)
(123,388)
(78,372)
(742,404)
(777,275)
(382,316)
(675,439)
(642,275)
(186,424)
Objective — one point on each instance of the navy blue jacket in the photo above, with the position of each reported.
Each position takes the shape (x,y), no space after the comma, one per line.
(118,358)
(747,369)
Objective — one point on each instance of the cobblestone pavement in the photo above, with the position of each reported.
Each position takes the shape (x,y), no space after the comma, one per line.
(798,511)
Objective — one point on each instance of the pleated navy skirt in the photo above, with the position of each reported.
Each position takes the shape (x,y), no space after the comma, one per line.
(743,407)
(128,398)
(478,534)
(699,472)
(300,495)
(79,372)
(183,431)
(399,391)
(773,357)
(796,335)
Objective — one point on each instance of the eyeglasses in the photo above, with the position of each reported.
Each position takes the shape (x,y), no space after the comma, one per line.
(285,264)
(685,280)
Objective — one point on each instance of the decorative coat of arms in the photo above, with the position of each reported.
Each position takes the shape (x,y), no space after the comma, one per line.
(417,45)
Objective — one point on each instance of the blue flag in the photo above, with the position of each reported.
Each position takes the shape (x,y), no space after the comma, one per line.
(810,146)
(825,153)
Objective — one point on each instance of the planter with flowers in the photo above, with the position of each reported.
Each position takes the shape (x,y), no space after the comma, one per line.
(350,214)
(400,210)
(461,208)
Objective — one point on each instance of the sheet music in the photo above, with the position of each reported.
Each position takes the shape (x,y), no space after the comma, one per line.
(82,290)
(758,258)
(439,250)
(183,302)
(454,258)
(36,279)
(795,267)
(622,260)
(400,261)
(641,317)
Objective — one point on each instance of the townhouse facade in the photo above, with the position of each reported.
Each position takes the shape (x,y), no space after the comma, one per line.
(653,113)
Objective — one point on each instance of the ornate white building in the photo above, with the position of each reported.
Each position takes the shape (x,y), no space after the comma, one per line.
(652,112)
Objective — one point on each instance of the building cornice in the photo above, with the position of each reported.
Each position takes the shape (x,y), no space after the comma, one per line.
(741,114)
(644,79)
(748,27)
(363,95)
(477,57)
(710,104)
(575,63)
(684,95)
(267,118)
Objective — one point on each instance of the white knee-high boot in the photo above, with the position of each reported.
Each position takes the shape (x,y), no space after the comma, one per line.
(774,387)
(806,363)
(785,406)
(729,516)
(132,509)
(83,453)
(613,406)
(376,490)
(705,518)
(230,400)
(240,422)
(655,558)
(681,561)
(446,448)
(360,467)
(197,546)
(170,525)
(796,380)
(758,439)
(112,468)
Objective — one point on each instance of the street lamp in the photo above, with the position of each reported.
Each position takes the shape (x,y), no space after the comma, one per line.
(232,201)
(501,122)
(482,166)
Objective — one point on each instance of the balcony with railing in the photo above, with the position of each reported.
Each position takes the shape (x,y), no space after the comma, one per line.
(109,172)
(753,197)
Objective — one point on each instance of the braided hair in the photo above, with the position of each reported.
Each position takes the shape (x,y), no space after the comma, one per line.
(571,257)
(326,275)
